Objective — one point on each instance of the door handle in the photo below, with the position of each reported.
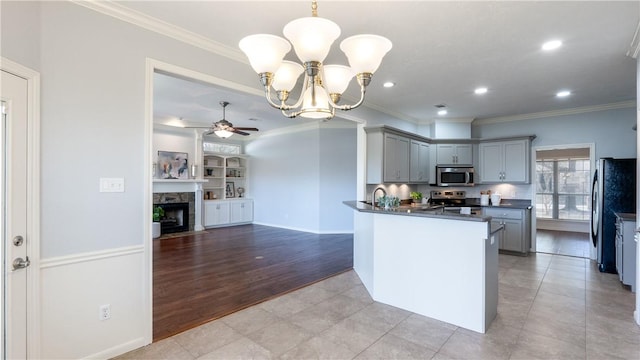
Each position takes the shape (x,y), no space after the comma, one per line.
(20,263)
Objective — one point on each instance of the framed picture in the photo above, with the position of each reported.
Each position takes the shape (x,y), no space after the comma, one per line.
(233,162)
(231,190)
(173,165)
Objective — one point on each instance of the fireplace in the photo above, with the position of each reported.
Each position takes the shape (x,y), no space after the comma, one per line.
(175,219)
(179,211)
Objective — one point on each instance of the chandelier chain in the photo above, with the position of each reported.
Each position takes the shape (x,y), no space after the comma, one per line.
(314,8)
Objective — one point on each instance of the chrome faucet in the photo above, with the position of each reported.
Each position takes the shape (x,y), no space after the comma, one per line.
(373,194)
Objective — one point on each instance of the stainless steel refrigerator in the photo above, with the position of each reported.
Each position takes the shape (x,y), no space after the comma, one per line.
(613,190)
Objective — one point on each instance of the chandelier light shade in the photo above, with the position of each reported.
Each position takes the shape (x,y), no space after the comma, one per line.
(311,37)
(286,76)
(265,52)
(323,85)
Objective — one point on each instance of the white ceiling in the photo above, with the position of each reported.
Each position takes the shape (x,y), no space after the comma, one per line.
(441,51)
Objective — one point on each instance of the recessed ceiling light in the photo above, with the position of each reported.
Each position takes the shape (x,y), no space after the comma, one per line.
(389,84)
(551,45)
(563,93)
(442,112)
(480,90)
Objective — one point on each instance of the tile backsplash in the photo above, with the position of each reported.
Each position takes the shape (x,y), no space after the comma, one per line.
(507,191)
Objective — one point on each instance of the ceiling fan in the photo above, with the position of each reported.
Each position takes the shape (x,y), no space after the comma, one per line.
(223,128)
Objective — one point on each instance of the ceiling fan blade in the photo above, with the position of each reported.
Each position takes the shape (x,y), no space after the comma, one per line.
(209,132)
(236,131)
(246,128)
(196,127)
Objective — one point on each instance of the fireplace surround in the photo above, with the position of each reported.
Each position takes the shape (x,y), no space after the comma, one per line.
(179,208)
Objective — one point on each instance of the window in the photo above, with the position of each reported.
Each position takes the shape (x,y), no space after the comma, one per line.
(221,148)
(563,184)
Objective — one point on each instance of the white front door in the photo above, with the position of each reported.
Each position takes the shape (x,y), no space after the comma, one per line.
(13,195)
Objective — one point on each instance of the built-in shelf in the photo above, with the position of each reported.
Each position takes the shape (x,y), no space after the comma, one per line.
(183,181)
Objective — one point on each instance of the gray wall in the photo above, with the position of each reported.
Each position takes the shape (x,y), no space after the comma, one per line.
(299,179)
(610,130)
(337,179)
(92,116)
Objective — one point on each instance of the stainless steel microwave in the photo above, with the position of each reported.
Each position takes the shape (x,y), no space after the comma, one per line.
(455,176)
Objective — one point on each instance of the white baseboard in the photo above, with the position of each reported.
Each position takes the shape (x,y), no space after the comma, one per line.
(314,231)
(119,349)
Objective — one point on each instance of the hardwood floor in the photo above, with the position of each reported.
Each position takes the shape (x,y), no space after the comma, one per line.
(203,276)
(564,243)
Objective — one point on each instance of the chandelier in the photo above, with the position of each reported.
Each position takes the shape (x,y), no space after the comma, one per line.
(323,85)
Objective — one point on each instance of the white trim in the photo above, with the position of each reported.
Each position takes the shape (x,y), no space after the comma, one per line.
(305,230)
(307,126)
(113,9)
(142,20)
(90,256)
(118,350)
(454,120)
(553,113)
(147,200)
(33,198)
(634,47)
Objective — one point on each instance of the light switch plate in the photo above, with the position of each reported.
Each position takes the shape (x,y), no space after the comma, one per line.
(111,184)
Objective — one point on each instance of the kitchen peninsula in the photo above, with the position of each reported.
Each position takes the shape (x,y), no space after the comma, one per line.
(437,264)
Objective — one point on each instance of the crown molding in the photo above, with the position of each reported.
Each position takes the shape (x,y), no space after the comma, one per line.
(113,9)
(314,125)
(634,47)
(454,120)
(554,113)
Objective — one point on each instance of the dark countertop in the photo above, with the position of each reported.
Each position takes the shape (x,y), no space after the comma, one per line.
(505,203)
(415,210)
(626,216)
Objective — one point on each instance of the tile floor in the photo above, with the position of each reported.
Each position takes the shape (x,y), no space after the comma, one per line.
(564,243)
(550,307)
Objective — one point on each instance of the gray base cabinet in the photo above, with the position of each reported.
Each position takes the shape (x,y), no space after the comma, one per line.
(516,237)
(626,249)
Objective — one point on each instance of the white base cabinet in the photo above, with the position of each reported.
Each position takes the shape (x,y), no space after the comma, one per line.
(227,212)
(241,211)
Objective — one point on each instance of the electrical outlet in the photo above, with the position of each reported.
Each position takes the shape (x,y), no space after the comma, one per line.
(105,312)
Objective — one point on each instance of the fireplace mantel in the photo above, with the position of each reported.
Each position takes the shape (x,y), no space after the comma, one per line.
(190,185)
(171,185)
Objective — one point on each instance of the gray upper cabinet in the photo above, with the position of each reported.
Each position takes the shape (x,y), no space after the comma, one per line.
(419,162)
(505,161)
(396,158)
(387,158)
(454,154)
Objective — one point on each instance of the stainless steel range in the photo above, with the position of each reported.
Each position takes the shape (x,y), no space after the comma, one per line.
(452,200)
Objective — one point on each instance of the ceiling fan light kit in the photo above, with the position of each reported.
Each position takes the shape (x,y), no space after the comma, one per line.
(323,85)
(223,128)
